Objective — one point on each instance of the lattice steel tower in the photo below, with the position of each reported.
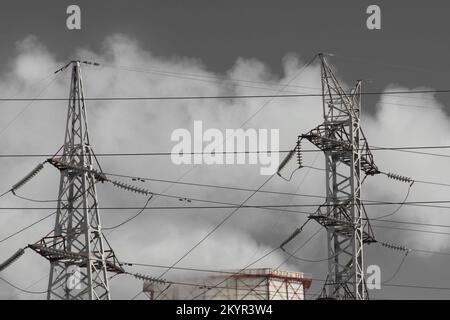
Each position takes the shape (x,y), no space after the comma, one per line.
(79,255)
(347,158)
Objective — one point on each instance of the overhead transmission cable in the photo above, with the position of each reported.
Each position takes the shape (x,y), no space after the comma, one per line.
(217,226)
(167,153)
(296,232)
(20,289)
(131,218)
(402,179)
(192,199)
(199,76)
(296,192)
(227,97)
(397,270)
(234,211)
(31,101)
(228,216)
(271,209)
(425,204)
(394,247)
(34,223)
(32,285)
(140,178)
(219,79)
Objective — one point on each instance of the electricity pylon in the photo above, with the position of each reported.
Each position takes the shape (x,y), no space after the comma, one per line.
(80,257)
(347,158)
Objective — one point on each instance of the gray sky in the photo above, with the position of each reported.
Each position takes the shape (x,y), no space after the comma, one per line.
(255,40)
(409,49)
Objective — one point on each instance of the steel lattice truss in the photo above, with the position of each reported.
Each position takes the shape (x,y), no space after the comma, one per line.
(347,157)
(77,242)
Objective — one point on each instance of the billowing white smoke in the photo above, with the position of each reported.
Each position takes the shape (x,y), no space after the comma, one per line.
(162,236)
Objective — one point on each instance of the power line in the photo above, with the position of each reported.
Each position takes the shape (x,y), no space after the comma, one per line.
(385,227)
(237,273)
(416,286)
(32,285)
(433,183)
(267,208)
(399,207)
(227,217)
(27,227)
(397,270)
(380,203)
(253,193)
(300,95)
(128,263)
(207,78)
(254,114)
(34,223)
(167,153)
(208,288)
(30,103)
(293,255)
(296,192)
(131,218)
(183,198)
(222,79)
(144,179)
(364,61)
(20,289)
(430,252)
(177,207)
(414,230)
(416,250)
(412,223)
(158,71)
(268,253)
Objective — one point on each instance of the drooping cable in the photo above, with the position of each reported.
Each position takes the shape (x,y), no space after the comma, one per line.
(33,284)
(397,270)
(400,205)
(206,236)
(131,218)
(296,151)
(20,289)
(292,255)
(395,247)
(36,222)
(34,200)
